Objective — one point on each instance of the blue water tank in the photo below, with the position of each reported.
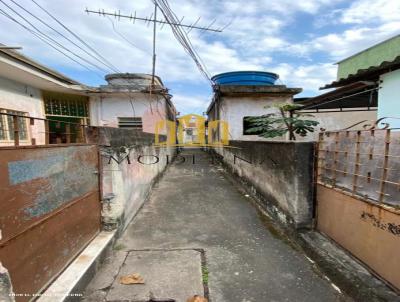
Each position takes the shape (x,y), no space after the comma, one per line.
(245,78)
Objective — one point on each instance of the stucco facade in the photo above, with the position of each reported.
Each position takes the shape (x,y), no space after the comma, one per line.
(15,96)
(233,103)
(105,109)
(338,120)
(128,96)
(234,110)
(23,86)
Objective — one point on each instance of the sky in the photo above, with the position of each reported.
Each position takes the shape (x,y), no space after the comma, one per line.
(299,40)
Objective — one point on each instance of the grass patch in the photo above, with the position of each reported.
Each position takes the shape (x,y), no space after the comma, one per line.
(119,247)
(204,274)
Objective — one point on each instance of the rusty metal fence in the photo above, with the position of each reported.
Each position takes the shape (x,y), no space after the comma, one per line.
(365,163)
(17,130)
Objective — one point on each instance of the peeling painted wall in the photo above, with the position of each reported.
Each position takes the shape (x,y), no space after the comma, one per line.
(234,109)
(50,210)
(105,110)
(371,232)
(129,170)
(280,174)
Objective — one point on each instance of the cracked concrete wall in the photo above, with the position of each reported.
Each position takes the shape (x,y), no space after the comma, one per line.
(130,165)
(280,174)
(127,184)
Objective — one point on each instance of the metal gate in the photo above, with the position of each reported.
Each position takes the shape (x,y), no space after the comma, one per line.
(358,195)
(49,211)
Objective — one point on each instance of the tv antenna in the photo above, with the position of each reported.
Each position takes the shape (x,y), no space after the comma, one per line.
(171,20)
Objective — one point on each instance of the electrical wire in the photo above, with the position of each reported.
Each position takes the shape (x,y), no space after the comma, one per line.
(50,41)
(62,35)
(335,100)
(124,38)
(53,40)
(131,99)
(185,41)
(128,94)
(181,36)
(44,40)
(75,35)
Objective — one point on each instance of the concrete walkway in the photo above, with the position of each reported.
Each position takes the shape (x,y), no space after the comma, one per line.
(196,207)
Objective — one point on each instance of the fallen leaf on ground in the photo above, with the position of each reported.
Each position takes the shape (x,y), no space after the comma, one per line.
(131,279)
(197,298)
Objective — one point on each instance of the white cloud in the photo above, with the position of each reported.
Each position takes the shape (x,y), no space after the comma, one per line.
(285,7)
(370,22)
(191,103)
(372,11)
(309,77)
(255,40)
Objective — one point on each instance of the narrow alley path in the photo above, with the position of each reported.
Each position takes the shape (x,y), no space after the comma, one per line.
(196,206)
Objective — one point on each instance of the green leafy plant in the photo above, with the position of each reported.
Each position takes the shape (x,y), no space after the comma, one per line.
(204,273)
(283,121)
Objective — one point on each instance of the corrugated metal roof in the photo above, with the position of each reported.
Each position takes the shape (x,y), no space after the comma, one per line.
(374,56)
(350,96)
(367,74)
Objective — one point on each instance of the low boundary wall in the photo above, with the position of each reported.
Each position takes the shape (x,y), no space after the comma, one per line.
(130,165)
(279,174)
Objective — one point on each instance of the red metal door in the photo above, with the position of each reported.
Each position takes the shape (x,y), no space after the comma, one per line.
(49,211)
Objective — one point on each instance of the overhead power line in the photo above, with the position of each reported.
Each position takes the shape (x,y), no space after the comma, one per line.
(182,36)
(76,36)
(177,28)
(311,106)
(44,40)
(51,39)
(124,38)
(62,35)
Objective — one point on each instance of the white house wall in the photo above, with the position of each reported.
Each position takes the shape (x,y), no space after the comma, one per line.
(234,109)
(105,110)
(331,121)
(25,98)
(388,97)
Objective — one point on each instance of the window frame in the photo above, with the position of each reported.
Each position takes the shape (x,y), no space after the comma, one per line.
(245,128)
(5,121)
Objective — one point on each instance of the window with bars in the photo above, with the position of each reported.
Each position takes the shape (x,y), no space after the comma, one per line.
(130,122)
(65,105)
(7,125)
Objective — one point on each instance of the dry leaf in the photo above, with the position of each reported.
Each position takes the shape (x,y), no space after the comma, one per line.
(197,298)
(131,279)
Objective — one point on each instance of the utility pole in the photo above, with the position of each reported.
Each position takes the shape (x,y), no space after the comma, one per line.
(154,46)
